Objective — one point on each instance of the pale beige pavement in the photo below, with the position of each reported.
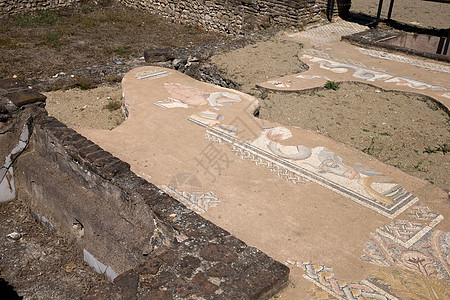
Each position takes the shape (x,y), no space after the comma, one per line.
(304,199)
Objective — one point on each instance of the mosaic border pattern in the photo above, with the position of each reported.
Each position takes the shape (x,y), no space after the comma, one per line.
(404,59)
(323,277)
(407,233)
(200,202)
(152,74)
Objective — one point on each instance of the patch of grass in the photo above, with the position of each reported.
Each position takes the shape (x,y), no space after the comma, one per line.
(53,39)
(331,85)
(263,95)
(111,79)
(86,21)
(384,133)
(122,51)
(113,105)
(444,148)
(365,130)
(84,83)
(42,18)
(429,150)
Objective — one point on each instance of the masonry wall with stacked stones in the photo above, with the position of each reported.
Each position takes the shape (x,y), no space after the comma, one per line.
(17,6)
(237,16)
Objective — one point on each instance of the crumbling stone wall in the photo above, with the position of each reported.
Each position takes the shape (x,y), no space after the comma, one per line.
(16,6)
(237,16)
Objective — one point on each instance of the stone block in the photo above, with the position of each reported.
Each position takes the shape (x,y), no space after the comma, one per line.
(217,252)
(201,282)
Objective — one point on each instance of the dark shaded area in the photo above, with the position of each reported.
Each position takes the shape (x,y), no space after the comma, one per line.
(7,291)
(426,45)
(367,20)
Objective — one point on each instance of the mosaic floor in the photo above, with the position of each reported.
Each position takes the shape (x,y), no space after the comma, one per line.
(348,226)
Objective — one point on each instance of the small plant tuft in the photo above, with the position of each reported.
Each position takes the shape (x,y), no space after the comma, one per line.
(371,148)
(112,79)
(444,148)
(122,51)
(41,19)
(263,95)
(84,83)
(384,133)
(113,105)
(331,85)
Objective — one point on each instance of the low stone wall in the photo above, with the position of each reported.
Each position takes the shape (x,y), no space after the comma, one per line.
(147,243)
(17,6)
(227,16)
(237,16)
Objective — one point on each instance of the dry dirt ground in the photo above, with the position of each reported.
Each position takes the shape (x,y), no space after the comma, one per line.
(40,44)
(40,265)
(97,108)
(427,14)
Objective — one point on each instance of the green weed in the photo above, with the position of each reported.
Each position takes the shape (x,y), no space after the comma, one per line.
(54,40)
(384,133)
(122,51)
(429,150)
(331,85)
(371,148)
(40,19)
(444,148)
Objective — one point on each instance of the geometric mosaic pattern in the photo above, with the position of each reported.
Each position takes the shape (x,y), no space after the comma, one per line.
(330,32)
(283,172)
(404,59)
(428,256)
(152,74)
(423,213)
(406,233)
(323,277)
(199,202)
